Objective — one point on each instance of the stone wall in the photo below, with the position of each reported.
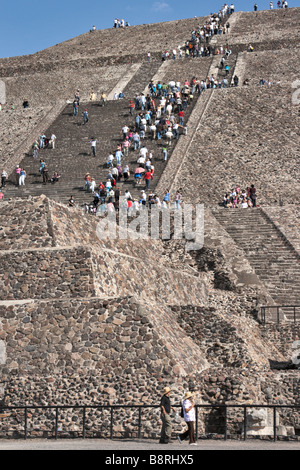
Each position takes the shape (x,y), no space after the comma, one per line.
(41,89)
(276,65)
(25,226)
(227,340)
(16,124)
(283,336)
(118,337)
(46,273)
(237,144)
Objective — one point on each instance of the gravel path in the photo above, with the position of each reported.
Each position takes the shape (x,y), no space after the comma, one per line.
(142,445)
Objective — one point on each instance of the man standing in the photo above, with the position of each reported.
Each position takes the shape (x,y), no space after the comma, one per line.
(85,116)
(3,178)
(75,108)
(45,174)
(35,147)
(148,177)
(52,140)
(103,99)
(165,406)
(253,195)
(93,143)
(118,156)
(42,140)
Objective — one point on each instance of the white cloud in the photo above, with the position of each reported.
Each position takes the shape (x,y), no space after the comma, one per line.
(160,6)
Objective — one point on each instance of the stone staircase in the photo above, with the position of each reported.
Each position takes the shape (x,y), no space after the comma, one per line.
(231,61)
(270,254)
(141,79)
(73,158)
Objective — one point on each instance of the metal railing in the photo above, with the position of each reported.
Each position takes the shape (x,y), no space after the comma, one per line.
(279,313)
(112,408)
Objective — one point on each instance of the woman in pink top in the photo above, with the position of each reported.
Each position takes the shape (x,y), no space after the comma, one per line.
(18,171)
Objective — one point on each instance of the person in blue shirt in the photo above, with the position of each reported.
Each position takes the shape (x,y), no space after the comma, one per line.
(166,199)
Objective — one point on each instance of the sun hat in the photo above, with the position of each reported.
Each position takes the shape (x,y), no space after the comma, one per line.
(188,395)
(167,390)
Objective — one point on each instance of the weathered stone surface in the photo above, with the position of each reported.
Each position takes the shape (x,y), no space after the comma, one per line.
(93,322)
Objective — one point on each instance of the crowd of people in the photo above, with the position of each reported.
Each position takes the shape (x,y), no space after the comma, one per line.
(159,116)
(217,24)
(198,44)
(240,198)
(120,23)
(280,4)
(283,4)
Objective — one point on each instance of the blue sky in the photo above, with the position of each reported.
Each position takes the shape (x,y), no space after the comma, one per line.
(32,25)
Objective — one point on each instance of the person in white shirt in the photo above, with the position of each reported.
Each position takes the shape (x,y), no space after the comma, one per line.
(93,143)
(188,407)
(125,130)
(141,161)
(118,156)
(127,195)
(143,198)
(92,185)
(136,206)
(52,140)
(3,178)
(110,160)
(143,151)
(169,109)
(142,101)
(169,136)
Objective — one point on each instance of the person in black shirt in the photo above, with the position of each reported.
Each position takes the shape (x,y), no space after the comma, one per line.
(165,406)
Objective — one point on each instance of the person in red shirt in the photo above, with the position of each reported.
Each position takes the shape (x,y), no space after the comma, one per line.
(1,195)
(148,177)
(131,107)
(181,116)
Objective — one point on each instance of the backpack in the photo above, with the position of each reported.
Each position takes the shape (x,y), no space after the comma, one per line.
(181,412)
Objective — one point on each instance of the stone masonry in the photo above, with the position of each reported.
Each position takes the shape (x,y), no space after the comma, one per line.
(103,322)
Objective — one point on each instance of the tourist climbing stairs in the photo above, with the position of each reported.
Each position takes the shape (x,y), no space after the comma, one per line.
(231,62)
(72,157)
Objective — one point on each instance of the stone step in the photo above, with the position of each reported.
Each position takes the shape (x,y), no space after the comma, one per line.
(270,255)
(72,157)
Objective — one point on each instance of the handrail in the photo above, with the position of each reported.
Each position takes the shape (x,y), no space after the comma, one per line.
(263,308)
(111,408)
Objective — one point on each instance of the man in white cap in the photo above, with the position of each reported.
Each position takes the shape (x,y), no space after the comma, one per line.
(188,406)
(165,406)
